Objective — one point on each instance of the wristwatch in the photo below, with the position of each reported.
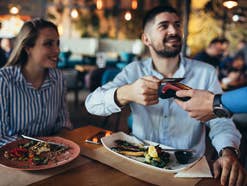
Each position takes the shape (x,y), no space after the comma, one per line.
(234,150)
(218,108)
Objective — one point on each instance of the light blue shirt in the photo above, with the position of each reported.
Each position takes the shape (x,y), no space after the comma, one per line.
(29,111)
(166,122)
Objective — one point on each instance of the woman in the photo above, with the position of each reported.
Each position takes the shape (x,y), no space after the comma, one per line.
(32,90)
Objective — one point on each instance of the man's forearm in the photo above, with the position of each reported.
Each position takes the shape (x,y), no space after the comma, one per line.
(122,95)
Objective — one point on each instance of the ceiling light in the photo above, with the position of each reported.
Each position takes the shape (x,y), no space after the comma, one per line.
(99,4)
(127,16)
(230,3)
(74,13)
(134,4)
(235,18)
(14,10)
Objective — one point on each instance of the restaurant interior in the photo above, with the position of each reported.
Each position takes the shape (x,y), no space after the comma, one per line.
(100,37)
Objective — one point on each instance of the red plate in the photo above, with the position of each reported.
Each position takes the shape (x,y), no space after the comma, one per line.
(61,159)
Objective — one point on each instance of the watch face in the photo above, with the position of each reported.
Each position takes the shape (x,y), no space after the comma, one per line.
(220,112)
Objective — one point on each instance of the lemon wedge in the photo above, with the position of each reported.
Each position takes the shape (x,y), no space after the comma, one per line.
(152,152)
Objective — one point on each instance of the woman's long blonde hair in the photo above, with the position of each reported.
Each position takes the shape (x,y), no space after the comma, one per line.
(26,39)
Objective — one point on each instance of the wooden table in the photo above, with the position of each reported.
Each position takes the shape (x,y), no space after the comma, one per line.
(96,173)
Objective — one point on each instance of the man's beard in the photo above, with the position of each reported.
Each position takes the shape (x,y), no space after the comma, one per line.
(168,51)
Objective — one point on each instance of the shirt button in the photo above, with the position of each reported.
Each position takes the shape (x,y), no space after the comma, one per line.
(165,116)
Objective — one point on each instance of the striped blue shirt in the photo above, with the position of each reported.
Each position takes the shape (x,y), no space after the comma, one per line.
(30,111)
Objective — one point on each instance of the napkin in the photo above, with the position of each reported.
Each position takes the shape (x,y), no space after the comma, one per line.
(199,170)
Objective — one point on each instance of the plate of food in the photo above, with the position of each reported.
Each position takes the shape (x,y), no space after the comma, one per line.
(154,155)
(24,154)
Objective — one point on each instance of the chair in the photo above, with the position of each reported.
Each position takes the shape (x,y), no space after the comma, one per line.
(93,79)
(63,59)
(127,56)
(130,122)
(73,83)
(107,76)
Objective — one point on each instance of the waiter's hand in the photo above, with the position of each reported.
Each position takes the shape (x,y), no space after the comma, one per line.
(200,105)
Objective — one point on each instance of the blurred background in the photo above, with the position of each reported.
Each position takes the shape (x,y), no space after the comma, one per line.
(121,20)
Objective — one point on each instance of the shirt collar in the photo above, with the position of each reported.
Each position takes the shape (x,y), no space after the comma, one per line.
(50,79)
(52,75)
(180,72)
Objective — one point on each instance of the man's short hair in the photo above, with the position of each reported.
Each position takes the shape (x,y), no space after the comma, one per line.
(155,11)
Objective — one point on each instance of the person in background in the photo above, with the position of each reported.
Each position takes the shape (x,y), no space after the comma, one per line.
(214,52)
(243,51)
(32,90)
(241,44)
(6,45)
(236,75)
(3,58)
(162,120)
(205,105)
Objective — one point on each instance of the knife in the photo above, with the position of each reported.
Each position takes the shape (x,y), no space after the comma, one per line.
(39,140)
(146,144)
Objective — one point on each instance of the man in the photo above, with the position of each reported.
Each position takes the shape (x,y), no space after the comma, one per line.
(162,120)
(204,105)
(213,53)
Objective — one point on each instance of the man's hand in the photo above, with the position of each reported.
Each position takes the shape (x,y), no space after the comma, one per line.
(200,106)
(229,169)
(143,91)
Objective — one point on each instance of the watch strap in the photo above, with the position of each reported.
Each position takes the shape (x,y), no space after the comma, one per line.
(218,108)
(234,150)
(217,100)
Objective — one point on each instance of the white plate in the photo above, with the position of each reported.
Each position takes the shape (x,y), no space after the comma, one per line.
(172,167)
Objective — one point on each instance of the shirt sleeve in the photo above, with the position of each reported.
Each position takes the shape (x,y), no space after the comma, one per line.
(101,101)
(235,100)
(223,131)
(63,120)
(4,113)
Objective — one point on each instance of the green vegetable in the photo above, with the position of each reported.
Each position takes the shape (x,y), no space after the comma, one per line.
(148,158)
(40,160)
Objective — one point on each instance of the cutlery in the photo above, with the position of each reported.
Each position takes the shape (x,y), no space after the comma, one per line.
(146,145)
(39,140)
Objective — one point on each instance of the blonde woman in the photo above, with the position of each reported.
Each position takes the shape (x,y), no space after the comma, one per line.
(32,90)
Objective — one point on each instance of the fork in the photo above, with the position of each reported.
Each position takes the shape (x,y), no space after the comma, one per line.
(39,140)
(146,144)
